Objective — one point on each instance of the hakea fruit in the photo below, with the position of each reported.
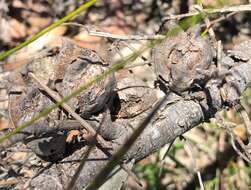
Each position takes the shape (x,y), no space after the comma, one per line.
(182,60)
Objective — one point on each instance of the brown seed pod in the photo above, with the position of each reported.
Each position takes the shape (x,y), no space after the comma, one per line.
(82,67)
(24,106)
(182,60)
(135,96)
(23,109)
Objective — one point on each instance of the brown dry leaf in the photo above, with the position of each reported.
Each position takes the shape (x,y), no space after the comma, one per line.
(51,39)
(72,135)
(17,29)
(83,39)
(37,23)
(4,123)
(240,131)
(29,18)
(17,156)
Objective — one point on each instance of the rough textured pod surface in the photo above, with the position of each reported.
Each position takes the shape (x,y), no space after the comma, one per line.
(80,67)
(134,95)
(48,146)
(182,60)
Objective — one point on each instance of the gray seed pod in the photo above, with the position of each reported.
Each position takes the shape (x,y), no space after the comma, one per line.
(134,95)
(83,66)
(181,61)
(47,146)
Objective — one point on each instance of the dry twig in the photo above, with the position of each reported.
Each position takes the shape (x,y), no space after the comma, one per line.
(92,32)
(237,8)
(190,151)
(234,137)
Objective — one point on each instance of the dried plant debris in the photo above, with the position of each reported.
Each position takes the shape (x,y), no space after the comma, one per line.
(64,72)
(181,62)
(114,104)
(20,19)
(78,70)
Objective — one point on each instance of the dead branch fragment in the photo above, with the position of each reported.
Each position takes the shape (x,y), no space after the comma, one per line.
(237,8)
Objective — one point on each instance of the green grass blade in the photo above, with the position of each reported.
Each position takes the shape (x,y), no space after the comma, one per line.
(49,28)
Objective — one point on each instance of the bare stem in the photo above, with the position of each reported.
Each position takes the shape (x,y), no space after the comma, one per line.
(238,8)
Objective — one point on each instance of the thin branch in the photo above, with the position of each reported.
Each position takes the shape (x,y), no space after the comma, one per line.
(123,37)
(190,152)
(80,167)
(165,155)
(92,32)
(9,112)
(200,180)
(237,8)
(237,149)
(247,123)
(100,178)
(245,118)
(219,55)
(131,174)
(221,18)
(133,50)
(207,21)
(233,138)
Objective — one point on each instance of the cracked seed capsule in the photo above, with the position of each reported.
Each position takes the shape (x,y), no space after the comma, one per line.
(182,61)
(81,67)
